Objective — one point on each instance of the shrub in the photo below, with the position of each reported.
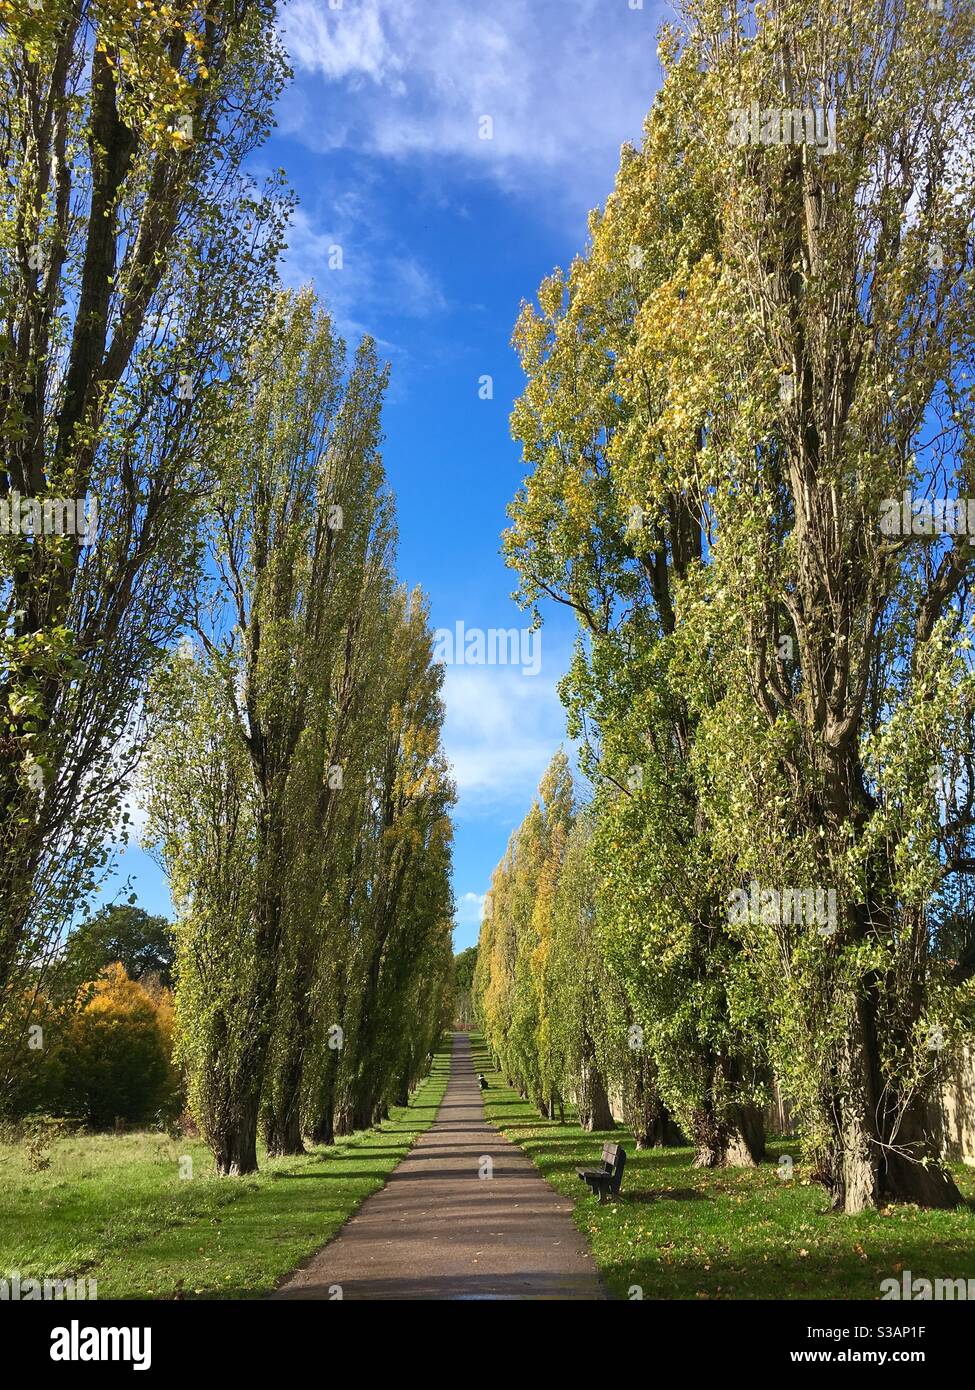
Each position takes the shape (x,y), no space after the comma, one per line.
(115,1062)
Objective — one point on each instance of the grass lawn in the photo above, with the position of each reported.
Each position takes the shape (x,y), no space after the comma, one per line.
(114,1208)
(682,1232)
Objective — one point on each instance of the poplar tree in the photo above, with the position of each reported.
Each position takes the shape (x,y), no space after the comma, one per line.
(300,503)
(611,523)
(829,358)
(134,257)
(765,350)
(306,831)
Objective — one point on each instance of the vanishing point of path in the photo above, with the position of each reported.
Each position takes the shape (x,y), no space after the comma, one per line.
(439,1230)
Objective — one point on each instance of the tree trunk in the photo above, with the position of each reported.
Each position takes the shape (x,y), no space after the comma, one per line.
(286,1137)
(644,1113)
(282,1115)
(321,1107)
(323,1132)
(593,1102)
(402,1093)
(659,1133)
(877,1154)
(730,1146)
(235,1144)
(362,1113)
(231,1126)
(732,1137)
(853,1175)
(728,1132)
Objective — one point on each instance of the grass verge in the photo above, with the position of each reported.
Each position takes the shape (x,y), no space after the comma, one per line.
(683,1232)
(114,1208)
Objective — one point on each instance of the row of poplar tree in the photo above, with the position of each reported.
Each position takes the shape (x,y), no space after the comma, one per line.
(233,631)
(295,780)
(763,345)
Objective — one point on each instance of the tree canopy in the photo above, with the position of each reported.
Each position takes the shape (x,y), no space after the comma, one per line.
(764,349)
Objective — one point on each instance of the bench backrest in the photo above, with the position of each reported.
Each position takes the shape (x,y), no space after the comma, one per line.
(614,1157)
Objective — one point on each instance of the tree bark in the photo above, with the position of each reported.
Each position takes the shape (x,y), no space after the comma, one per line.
(881,1151)
(321,1109)
(644,1112)
(234,1144)
(593,1102)
(281,1118)
(324,1130)
(727,1133)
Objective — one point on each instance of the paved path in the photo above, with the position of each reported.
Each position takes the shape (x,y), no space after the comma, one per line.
(439,1231)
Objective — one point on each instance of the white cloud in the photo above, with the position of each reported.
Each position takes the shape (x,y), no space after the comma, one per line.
(470,909)
(307,253)
(500,733)
(413,288)
(563,84)
(338,42)
(377,281)
(368,280)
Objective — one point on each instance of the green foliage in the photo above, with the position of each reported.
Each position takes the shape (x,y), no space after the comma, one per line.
(516,938)
(140,942)
(755,351)
(464,965)
(299,794)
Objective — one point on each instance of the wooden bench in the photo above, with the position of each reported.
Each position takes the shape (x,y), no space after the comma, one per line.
(606,1179)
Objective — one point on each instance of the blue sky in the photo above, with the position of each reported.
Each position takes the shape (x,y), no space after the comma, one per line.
(443,233)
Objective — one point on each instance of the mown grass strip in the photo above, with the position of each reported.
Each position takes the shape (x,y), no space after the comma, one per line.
(685,1232)
(115,1209)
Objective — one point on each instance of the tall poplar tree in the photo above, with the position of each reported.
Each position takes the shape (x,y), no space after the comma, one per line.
(134,256)
(830,364)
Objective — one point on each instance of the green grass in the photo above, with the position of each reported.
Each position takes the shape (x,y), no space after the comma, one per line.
(682,1232)
(114,1208)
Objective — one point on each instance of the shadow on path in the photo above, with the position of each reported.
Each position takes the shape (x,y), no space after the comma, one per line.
(441,1230)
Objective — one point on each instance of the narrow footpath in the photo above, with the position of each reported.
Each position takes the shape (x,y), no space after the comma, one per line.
(439,1230)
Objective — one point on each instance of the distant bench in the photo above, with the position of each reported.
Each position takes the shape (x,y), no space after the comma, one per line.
(606,1179)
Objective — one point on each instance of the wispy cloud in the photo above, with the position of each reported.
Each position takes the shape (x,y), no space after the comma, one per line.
(359,276)
(339,42)
(373,282)
(500,733)
(563,85)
